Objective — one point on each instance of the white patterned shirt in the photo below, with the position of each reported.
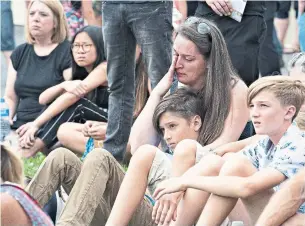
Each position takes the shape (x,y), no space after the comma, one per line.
(288,156)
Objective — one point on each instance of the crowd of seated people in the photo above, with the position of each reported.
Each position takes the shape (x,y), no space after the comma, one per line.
(194,157)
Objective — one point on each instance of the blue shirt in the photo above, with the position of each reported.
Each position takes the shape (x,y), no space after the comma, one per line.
(288,156)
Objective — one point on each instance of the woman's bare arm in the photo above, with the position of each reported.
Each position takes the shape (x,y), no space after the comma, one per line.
(10,95)
(96,78)
(142,131)
(285,203)
(228,186)
(10,208)
(53,92)
(237,117)
(236,146)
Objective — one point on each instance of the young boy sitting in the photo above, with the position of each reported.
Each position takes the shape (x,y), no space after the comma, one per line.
(255,172)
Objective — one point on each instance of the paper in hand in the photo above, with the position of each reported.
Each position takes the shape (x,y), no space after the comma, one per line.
(238,9)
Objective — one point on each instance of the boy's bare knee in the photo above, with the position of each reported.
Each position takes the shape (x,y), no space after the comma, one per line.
(186,149)
(210,165)
(144,155)
(237,166)
(62,133)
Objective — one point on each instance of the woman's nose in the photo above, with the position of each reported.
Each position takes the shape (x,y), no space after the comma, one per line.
(178,63)
(36,17)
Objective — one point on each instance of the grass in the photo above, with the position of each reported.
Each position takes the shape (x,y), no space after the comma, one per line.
(31,165)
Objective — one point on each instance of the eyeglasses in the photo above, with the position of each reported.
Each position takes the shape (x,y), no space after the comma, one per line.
(85,47)
(202,27)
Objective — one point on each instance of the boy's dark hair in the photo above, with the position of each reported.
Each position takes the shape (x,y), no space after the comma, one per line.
(183,102)
(96,34)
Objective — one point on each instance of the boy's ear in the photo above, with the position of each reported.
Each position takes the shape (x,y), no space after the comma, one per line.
(291,110)
(197,123)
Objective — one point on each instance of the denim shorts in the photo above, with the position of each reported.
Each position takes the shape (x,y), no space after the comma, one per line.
(7,27)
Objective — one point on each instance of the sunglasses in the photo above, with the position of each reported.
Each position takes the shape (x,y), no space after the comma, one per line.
(202,27)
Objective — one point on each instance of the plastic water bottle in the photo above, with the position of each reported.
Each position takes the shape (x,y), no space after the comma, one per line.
(237,223)
(5,123)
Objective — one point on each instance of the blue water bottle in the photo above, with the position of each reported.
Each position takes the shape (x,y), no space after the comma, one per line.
(5,120)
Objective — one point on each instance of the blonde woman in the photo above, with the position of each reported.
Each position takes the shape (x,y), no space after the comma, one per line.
(43,61)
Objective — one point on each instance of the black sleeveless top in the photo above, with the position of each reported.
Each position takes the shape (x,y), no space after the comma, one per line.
(35,74)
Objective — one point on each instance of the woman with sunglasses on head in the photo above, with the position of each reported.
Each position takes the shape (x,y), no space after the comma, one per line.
(202,63)
(83,98)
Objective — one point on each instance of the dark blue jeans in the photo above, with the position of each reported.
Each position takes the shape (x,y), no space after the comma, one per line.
(125,25)
(7,27)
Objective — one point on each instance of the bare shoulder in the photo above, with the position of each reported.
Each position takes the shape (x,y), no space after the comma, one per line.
(239,88)
(8,202)
(10,208)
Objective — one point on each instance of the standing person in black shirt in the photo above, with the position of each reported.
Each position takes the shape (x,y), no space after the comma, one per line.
(191,8)
(269,58)
(243,38)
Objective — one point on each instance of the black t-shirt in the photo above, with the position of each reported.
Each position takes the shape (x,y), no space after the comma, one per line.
(252,8)
(191,8)
(35,74)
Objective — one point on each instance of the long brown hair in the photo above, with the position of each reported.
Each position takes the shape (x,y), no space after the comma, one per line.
(219,75)
(141,84)
(11,166)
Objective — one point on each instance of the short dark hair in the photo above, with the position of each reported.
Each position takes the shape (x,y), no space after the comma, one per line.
(96,34)
(182,102)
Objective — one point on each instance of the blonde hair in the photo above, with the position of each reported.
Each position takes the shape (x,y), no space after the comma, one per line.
(61,26)
(11,166)
(287,90)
